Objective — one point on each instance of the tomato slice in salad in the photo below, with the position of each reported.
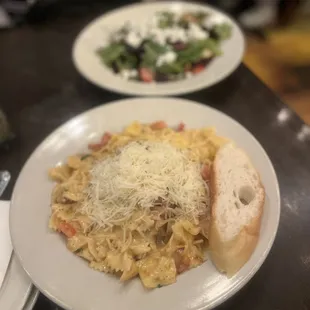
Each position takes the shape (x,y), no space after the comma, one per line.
(146,75)
(198,68)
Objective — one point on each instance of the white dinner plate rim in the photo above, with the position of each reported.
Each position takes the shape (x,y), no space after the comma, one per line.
(158,92)
(245,279)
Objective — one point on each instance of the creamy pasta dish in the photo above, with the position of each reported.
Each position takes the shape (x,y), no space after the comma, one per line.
(138,203)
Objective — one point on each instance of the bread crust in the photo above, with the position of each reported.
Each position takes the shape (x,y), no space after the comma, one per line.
(230,256)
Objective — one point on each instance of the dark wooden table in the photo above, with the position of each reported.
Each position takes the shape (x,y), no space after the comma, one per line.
(40,89)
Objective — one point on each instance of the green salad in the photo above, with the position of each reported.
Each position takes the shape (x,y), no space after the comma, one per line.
(170,47)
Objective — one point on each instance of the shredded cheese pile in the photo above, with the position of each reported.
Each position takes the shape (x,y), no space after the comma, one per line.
(141,175)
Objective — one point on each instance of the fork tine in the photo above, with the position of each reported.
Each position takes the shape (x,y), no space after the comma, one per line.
(5,178)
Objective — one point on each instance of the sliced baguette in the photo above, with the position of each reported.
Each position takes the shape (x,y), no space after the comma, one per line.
(237,201)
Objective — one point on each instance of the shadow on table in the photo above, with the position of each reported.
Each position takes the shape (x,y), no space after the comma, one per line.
(216,95)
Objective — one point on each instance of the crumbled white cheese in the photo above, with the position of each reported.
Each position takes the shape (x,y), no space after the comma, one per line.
(213,20)
(175,34)
(207,53)
(166,58)
(127,74)
(195,32)
(158,35)
(140,175)
(144,32)
(133,39)
(154,21)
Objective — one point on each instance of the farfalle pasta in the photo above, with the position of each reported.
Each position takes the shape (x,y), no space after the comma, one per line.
(138,203)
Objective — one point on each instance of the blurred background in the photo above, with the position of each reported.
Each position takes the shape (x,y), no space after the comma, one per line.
(277,31)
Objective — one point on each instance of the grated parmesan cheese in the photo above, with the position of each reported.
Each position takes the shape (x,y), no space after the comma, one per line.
(141,175)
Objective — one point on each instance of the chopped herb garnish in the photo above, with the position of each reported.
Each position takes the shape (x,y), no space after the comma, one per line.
(85,156)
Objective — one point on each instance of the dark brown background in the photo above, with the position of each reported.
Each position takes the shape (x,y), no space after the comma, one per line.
(40,89)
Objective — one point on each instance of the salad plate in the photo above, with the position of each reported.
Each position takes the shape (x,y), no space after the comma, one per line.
(162,48)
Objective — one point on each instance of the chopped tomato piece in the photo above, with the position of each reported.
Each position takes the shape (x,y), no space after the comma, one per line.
(182,267)
(205,172)
(181,127)
(158,125)
(67,229)
(104,140)
(94,146)
(146,75)
(182,263)
(198,68)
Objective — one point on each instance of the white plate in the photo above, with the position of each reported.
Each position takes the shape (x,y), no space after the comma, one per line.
(16,287)
(97,32)
(66,278)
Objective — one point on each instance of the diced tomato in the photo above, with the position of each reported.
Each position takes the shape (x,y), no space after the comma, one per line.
(181,127)
(158,125)
(182,267)
(205,172)
(94,146)
(197,68)
(182,263)
(67,229)
(104,140)
(146,75)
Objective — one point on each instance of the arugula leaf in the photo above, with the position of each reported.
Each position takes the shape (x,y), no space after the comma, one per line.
(194,51)
(119,65)
(166,20)
(200,16)
(129,60)
(85,156)
(159,49)
(149,57)
(171,68)
(222,31)
(111,52)
(183,23)
(152,51)
(213,46)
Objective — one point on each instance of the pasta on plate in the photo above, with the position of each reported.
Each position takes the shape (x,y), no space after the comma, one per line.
(138,204)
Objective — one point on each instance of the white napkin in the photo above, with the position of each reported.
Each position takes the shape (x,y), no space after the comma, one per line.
(5,239)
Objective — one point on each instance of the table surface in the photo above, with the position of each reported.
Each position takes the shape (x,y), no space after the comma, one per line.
(40,90)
